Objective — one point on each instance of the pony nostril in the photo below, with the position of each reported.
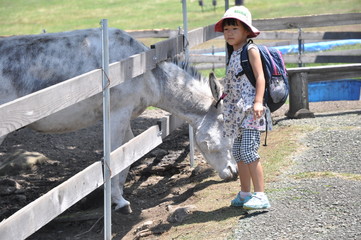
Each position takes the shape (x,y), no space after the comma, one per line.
(229,173)
(233,173)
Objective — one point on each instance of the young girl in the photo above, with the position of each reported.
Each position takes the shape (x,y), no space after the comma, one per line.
(244,114)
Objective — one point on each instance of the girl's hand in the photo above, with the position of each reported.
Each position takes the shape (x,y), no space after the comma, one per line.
(257,110)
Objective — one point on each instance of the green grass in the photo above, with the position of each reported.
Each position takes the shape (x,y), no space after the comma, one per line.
(32,16)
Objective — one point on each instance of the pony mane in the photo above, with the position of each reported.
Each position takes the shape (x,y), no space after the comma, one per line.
(189,69)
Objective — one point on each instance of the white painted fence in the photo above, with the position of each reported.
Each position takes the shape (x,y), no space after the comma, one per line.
(30,108)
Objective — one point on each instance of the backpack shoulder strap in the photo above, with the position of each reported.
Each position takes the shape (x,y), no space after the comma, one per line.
(246,65)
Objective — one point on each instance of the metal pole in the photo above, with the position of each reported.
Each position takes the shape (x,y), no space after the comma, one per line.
(226,6)
(186,53)
(106,132)
(185,26)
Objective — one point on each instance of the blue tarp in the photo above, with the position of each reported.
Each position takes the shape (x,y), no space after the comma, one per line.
(310,47)
(348,89)
(319,46)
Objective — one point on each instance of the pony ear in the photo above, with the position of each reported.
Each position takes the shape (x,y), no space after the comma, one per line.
(215,86)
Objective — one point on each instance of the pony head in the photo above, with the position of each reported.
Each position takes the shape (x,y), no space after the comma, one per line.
(209,137)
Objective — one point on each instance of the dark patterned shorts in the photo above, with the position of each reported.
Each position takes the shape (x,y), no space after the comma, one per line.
(245,147)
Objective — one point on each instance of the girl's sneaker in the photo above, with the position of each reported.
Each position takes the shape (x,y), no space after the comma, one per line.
(238,201)
(257,202)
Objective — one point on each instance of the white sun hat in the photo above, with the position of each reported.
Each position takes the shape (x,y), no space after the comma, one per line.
(242,14)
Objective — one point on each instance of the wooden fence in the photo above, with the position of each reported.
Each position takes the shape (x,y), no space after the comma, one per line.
(271,37)
(300,77)
(30,108)
(279,38)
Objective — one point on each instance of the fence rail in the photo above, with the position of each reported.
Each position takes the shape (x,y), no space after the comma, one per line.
(323,20)
(343,56)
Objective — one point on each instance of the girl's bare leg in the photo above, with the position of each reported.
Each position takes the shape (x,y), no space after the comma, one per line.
(256,173)
(244,177)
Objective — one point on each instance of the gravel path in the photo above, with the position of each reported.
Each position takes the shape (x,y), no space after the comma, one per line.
(319,196)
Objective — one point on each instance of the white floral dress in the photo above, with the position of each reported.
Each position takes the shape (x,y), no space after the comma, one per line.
(238,104)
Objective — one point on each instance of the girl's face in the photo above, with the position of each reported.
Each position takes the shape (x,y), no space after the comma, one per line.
(235,35)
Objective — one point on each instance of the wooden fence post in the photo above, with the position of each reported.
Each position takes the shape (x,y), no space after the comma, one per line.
(298,98)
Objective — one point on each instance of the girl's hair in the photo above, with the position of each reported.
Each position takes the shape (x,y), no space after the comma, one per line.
(232,22)
(229,52)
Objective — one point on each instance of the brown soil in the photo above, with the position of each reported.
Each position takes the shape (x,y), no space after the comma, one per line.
(160,179)
(157,184)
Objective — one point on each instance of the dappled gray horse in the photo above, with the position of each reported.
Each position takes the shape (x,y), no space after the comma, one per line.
(30,63)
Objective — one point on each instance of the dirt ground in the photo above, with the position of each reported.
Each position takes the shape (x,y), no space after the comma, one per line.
(157,184)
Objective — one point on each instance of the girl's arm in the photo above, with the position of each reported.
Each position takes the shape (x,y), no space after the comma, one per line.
(256,63)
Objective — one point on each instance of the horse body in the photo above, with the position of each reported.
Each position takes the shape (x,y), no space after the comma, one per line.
(31,63)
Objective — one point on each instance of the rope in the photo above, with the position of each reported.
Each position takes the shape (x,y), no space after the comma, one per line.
(91,228)
(108,79)
(103,161)
(109,169)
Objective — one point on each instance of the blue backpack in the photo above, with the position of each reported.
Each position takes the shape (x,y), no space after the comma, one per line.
(277,87)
